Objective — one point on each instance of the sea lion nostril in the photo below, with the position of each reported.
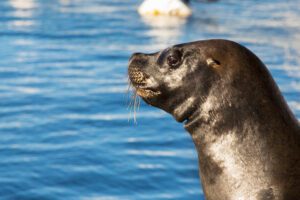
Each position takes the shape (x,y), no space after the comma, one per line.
(138,62)
(135,56)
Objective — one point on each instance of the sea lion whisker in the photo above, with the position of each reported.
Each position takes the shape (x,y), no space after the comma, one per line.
(130,85)
(139,103)
(132,96)
(135,107)
(129,107)
(129,92)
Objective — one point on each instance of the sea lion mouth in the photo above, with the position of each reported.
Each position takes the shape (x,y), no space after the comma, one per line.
(147,93)
(139,81)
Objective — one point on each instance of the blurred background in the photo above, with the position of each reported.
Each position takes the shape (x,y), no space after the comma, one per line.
(65,131)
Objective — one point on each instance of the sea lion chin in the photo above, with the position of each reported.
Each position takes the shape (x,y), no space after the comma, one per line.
(247,139)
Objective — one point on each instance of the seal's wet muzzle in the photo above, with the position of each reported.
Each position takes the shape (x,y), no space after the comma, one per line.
(138,77)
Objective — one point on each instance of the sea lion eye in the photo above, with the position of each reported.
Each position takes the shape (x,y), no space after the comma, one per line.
(174,59)
(213,63)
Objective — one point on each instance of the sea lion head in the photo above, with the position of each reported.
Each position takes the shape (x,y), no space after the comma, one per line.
(180,79)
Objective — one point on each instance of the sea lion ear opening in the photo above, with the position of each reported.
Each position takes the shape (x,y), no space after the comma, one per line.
(213,63)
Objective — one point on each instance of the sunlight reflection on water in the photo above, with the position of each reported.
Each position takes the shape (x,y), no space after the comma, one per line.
(63,103)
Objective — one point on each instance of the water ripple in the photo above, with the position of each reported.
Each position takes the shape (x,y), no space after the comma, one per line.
(66,132)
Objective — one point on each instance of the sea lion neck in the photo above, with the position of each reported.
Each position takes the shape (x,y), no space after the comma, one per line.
(185,109)
(230,138)
(212,114)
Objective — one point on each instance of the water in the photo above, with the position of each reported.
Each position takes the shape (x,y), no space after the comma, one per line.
(63,104)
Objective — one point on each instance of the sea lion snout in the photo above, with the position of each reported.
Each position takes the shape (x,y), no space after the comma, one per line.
(136,70)
(138,60)
(137,77)
(139,69)
(135,56)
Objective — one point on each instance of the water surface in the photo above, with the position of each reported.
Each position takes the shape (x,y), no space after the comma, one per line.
(64,123)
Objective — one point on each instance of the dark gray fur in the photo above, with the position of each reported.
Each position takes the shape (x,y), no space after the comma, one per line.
(235,107)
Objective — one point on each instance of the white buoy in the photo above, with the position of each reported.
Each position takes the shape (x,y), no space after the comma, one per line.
(165,7)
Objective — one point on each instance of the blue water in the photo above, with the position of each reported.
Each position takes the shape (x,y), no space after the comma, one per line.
(64,123)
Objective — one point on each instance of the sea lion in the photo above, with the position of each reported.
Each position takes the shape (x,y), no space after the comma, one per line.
(247,139)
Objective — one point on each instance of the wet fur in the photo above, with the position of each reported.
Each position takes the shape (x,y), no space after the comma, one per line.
(247,139)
